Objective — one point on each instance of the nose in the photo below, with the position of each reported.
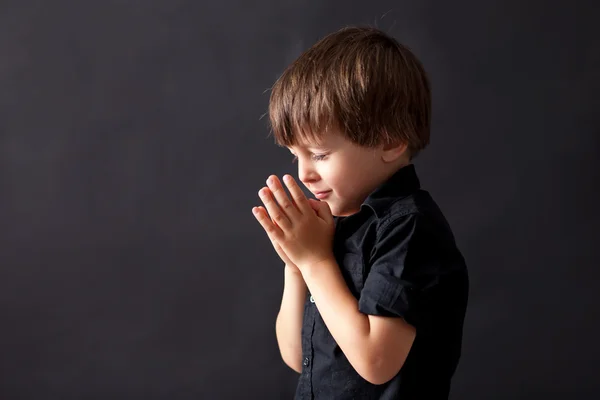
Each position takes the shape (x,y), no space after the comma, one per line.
(306,172)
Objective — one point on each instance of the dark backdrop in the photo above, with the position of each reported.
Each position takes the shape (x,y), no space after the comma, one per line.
(132,149)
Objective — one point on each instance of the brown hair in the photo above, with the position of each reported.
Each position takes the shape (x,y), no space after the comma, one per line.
(359,80)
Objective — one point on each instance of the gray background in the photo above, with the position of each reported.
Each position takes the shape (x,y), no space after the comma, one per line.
(132,150)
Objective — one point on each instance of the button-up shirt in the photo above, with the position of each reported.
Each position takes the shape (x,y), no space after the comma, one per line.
(399,259)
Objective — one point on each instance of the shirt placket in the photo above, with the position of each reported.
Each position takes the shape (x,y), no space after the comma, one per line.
(306,382)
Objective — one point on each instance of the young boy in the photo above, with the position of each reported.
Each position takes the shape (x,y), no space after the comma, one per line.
(375,287)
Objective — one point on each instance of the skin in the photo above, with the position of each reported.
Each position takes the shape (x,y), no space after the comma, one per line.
(351,172)
(301,231)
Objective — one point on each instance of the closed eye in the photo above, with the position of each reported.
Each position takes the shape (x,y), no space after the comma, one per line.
(316,157)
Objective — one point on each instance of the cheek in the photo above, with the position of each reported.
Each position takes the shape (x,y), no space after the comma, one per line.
(339,178)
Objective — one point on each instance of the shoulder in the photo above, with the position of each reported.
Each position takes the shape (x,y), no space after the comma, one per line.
(415,229)
(418,208)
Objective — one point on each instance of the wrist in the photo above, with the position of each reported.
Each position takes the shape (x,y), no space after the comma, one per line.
(309,270)
(292,269)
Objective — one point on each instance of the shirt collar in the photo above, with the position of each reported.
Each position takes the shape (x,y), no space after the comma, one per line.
(401,184)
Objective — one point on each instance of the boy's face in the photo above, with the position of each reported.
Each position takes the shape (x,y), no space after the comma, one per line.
(349,172)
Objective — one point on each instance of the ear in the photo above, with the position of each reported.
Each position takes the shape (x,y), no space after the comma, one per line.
(392,151)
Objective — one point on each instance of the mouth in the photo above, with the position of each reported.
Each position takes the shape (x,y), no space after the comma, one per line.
(322,195)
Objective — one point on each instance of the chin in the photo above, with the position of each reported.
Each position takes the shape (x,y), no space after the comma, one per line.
(334,210)
(343,213)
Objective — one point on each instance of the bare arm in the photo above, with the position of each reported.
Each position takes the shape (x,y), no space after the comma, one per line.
(375,346)
(288,326)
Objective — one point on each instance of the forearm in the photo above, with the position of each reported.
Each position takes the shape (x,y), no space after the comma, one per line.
(288,325)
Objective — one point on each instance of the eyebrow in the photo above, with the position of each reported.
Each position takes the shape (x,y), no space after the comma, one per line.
(315,147)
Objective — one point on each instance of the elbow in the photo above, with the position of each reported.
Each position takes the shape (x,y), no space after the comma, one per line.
(383,359)
(383,367)
(294,363)
(291,356)
(379,375)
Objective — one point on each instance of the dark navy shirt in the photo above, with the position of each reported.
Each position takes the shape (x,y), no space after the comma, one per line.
(399,258)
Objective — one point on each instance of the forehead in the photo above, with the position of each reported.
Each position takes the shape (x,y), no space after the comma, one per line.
(321,143)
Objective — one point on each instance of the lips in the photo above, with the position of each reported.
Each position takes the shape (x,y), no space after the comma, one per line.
(321,195)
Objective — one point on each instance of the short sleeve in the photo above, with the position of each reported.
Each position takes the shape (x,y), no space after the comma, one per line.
(398,268)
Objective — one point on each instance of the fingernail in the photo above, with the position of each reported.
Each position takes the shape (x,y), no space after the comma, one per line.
(270,181)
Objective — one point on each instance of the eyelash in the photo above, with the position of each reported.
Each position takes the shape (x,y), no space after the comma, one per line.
(316,157)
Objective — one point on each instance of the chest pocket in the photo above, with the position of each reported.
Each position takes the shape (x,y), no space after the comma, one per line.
(353,270)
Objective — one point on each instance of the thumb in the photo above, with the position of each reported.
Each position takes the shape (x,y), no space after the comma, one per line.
(322,209)
(314,204)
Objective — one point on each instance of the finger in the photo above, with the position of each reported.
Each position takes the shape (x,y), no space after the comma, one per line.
(273,231)
(265,211)
(297,194)
(314,204)
(273,209)
(280,252)
(288,206)
(322,209)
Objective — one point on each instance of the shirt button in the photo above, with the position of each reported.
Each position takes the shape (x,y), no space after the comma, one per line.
(311,299)
(306,361)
